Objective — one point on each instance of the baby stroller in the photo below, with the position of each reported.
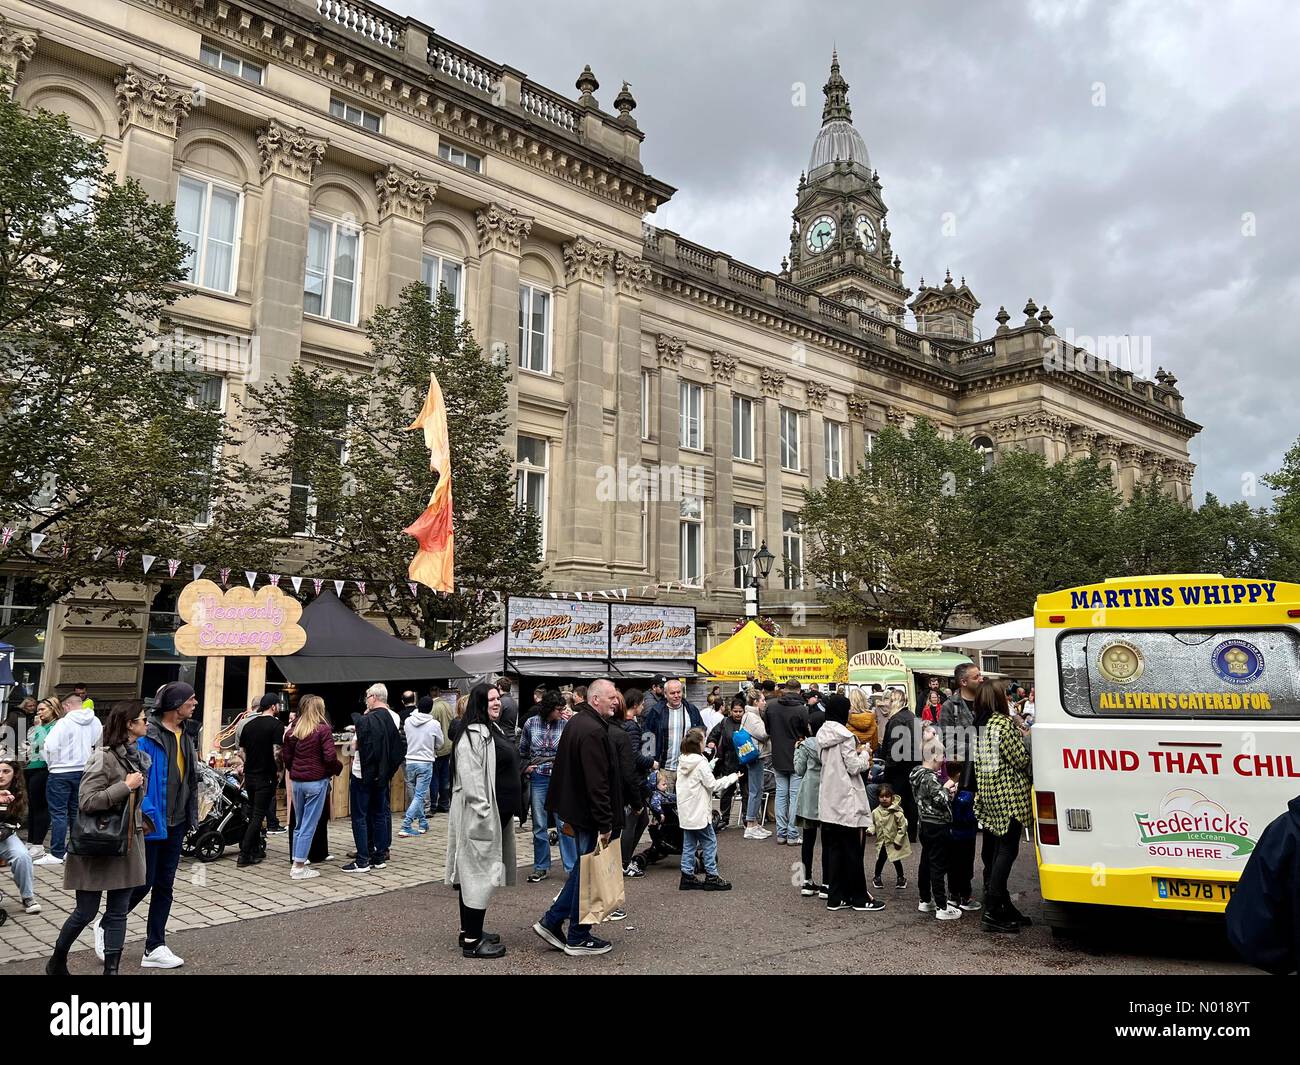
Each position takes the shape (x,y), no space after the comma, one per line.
(228,811)
(665,836)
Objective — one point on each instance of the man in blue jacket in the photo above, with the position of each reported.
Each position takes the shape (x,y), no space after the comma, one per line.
(1264,912)
(669,722)
(171,807)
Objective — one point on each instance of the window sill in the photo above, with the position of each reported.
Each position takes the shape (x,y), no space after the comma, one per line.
(307,316)
(188,288)
(547,374)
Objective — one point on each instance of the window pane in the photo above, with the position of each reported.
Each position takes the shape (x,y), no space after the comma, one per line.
(209,55)
(428,268)
(189,220)
(298,508)
(370,121)
(524,293)
(451,279)
(337,109)
(692,507)
(541,311)
(345,254)
(251,72)
(532,450)
(229,64)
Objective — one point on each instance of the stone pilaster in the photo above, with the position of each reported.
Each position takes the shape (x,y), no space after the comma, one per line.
(724,369)
(816,444)
(856,441)
(150,108)
(630,276)
(1128,468)
(773,501)
(668,350)
(403,198)
(1083,441)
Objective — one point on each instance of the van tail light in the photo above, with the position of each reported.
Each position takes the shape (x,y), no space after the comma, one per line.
(1048,830)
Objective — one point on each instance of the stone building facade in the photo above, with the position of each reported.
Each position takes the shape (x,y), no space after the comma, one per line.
(325,153)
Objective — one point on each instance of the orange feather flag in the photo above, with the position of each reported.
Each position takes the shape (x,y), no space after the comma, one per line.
(434,563)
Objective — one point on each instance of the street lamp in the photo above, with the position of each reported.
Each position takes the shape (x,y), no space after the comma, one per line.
(754,565)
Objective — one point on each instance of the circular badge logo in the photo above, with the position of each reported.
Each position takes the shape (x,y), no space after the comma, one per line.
(1121,662)
(1237,661)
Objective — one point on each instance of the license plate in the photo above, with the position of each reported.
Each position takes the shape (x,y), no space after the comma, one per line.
(1195,890)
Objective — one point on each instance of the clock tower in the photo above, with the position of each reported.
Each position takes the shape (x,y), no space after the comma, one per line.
(839,244)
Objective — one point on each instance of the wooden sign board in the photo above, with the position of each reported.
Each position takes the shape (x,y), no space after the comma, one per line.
(237,622)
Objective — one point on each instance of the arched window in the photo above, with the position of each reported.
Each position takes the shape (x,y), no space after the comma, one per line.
(984,446)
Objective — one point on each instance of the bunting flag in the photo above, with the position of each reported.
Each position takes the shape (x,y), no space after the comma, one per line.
(173,564)
(37,540)
(6,534)
(66,548)
(250,575)
(316,583)
(198,569)
(121,558)
(361,585)
(434,562)
(225,575)
(338,588)
(392,591)
(275,580)
(412,586)
(148,560)
(96,553)
(297,584)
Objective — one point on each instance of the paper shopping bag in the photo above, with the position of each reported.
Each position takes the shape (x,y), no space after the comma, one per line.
(600,883)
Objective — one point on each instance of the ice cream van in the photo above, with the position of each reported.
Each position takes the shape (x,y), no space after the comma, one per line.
(1167,737)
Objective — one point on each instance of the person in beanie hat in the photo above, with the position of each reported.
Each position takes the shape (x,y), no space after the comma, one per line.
(171,807)
(260,739)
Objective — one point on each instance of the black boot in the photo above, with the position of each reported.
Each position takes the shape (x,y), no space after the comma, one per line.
(997,919)
(713,882)
(688,883)
(1013,916)
(112,958)
(58,963)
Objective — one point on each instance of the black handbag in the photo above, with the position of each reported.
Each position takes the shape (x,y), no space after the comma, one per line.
(104,833)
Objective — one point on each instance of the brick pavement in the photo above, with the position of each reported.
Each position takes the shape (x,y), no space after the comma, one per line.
(219,892)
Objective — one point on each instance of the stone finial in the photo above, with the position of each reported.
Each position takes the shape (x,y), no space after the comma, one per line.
(625,104)
(17,46)
(151,101)
(1046,316)
(286,152)
(587,86)
(501,228)
(404,193)
(785,266)
(947,276)
(586,260)
(897,262)
(1002,318)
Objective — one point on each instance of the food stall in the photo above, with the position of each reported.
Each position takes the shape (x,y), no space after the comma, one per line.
(754,653)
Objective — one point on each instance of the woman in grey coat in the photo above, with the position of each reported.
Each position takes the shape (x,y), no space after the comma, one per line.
(114,776)
(808,768)
(485,798)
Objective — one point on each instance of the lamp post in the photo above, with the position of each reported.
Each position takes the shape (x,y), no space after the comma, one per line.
(755,565)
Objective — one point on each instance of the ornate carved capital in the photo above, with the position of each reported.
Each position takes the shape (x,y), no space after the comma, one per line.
(1082,438)
(631,274)
(1005,429)
(669,349)
(288,152)
(1128,454)
(724,366)
(896,416)
(772,381)
(858,405)
(151,101)
(502,228)
(1059,429)
(404,193)
(17,46)
(1151,462)
(586,260)
(817,394)
(1107,446)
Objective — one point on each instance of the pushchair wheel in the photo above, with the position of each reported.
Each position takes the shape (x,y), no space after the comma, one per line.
(209,846)
(187,844)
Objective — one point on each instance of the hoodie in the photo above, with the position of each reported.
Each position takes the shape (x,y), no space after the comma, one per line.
(423,737)
(1263,915)
(787,725)
(842,798)
(73,737)
(695,788)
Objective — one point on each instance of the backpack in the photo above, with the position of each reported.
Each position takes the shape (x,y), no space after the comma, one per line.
(746,748)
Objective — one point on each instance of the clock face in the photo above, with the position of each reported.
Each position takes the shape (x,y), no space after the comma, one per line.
(820,233)
(866,232)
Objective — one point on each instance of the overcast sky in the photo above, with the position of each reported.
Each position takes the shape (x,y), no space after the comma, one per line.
(1132,165)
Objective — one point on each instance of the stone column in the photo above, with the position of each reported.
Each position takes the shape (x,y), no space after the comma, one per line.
(1108,453)
(403,198)
(17,46)
(667,511)
(631,275)
(817,434)
(1083,441)
(580,529)
(150,110)
(501,233)
(724,554)
(288,158)
(1128,468)
(1149,464)
(773,381)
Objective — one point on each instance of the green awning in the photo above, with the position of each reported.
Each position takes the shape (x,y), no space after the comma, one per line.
(941,663)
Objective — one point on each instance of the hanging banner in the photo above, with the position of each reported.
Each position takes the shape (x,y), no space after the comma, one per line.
(556,629)
(649,632)
(237,622)
(808,661)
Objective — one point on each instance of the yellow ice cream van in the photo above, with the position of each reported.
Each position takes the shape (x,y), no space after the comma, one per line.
(1167,736)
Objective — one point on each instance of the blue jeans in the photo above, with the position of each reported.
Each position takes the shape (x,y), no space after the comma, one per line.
(754,786)
(308,803)
(538,787)
(61,794)
(20,864)
(419,775)
(162,857)
(704,839)
(787,800)
(370,817)
(441,788)
(565,906)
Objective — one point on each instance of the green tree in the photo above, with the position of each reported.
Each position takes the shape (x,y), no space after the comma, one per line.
(102,445)
(1239,540)
(1155,533)
(362,476)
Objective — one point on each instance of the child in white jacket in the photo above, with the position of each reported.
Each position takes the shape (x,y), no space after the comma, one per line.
(695,788)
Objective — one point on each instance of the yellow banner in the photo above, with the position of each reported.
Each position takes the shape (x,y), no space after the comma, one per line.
(807,661)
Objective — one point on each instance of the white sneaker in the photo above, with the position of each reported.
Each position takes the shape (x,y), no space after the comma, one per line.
(35,850)
(304,873)
(49,859)
(31,906)
(948,913)
(99,939)
(925,907)
(757,832)
(161,958)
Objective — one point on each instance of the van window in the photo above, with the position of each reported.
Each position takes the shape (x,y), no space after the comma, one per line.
(1210,674)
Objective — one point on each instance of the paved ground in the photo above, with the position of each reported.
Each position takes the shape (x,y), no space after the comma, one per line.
(406,924)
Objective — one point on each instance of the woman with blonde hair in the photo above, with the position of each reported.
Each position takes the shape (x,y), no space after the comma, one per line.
(862,719)
(37,773)
(310,760)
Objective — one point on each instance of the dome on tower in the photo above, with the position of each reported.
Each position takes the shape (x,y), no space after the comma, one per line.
(837,140)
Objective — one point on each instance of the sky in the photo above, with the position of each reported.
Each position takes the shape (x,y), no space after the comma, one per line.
(1132,165)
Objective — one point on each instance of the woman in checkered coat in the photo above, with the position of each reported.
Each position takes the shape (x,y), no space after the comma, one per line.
(1001,802)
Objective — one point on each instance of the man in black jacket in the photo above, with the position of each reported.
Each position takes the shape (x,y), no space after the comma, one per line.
(1264,912)
(380,749)
(787,725)
(957,714)
(586,793)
